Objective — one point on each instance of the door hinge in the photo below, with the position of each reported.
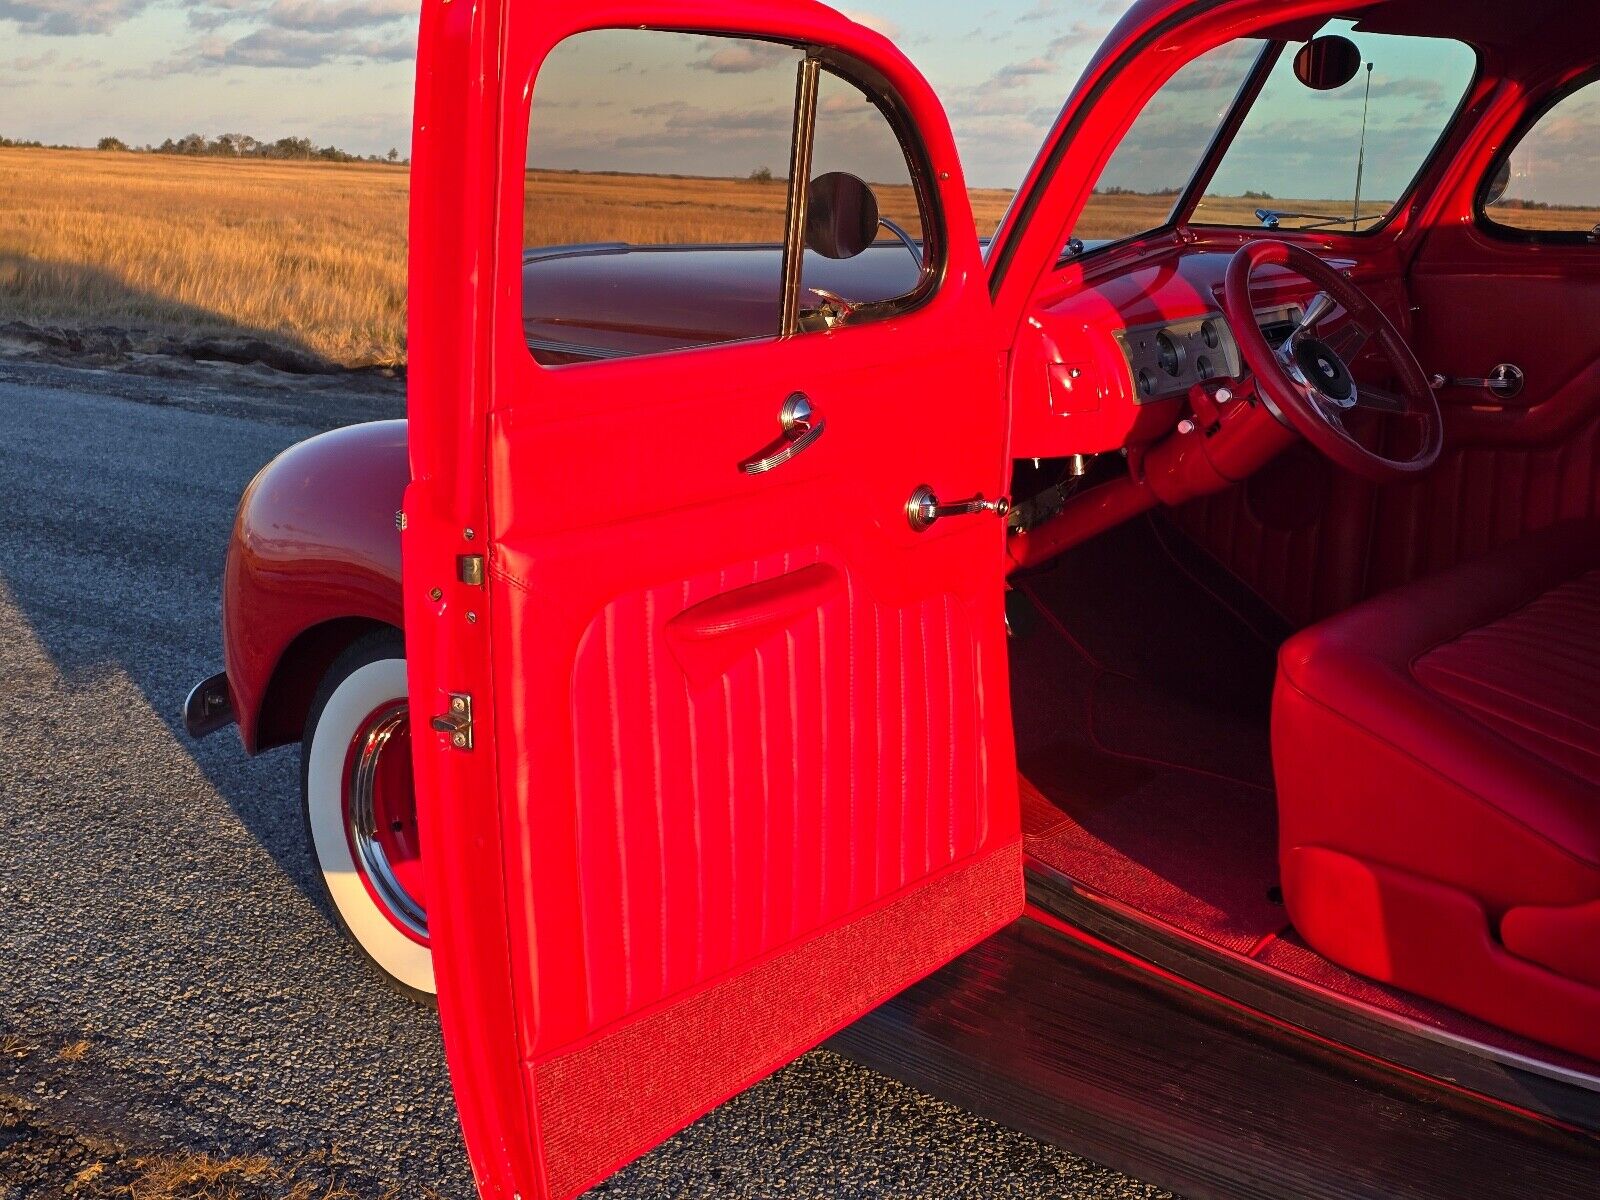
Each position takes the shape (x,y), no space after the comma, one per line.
(457,723)
(469,569)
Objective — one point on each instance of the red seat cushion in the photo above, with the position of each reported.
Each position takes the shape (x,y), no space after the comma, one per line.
(1445,738)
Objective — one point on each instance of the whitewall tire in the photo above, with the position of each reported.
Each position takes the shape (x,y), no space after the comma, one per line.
(360,810)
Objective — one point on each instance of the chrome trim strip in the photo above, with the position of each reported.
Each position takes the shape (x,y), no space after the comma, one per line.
(1283,980)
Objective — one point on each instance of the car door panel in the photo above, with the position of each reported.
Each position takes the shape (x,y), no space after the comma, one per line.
(742,765)
(639,733)
(1516,465)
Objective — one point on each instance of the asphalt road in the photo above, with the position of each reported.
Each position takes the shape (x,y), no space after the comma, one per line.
(156,898)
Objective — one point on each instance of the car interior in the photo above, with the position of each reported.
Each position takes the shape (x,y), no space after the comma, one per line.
(1328,705)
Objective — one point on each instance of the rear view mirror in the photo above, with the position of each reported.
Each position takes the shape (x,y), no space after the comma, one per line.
(841,217)
(1326,64)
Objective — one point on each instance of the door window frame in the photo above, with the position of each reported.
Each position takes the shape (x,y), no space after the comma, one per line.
(1481,214)
(881,94)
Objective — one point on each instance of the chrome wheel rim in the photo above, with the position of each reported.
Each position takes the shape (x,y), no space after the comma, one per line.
(380,816)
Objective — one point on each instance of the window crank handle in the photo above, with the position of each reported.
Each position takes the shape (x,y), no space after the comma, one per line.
(924,509)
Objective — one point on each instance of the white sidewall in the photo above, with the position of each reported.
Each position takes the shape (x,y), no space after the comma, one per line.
(352,703)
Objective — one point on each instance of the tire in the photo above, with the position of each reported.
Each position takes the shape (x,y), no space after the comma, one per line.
(360,811)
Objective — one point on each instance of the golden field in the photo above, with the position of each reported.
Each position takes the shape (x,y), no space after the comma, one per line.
(314,254)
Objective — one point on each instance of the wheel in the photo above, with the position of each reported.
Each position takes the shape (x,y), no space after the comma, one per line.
(361,811)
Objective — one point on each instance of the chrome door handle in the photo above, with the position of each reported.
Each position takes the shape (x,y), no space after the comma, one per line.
(801,429)
(923,509)
(1507,380)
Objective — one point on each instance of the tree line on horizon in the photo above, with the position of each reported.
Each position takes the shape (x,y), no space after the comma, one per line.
(227,145)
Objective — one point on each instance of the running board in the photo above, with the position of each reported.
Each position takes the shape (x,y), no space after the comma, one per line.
(1056,1034)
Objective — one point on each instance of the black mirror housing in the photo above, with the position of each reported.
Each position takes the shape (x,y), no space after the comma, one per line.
(1326,64)
(841,216)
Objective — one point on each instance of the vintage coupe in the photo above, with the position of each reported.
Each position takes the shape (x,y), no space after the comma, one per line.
(1201,605)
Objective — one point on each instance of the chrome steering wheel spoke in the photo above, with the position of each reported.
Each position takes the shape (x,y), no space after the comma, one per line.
(1381,400)
(1348,341)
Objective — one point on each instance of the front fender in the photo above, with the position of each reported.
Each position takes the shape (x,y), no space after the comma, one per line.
(315,558)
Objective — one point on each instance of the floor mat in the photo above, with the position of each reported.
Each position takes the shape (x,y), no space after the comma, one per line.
(1142,698)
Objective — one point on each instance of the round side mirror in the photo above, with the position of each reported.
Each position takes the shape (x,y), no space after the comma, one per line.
(1325,64)
(1499,184)
(841,217)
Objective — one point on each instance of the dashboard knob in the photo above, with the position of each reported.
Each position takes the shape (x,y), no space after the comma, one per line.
(1224,395)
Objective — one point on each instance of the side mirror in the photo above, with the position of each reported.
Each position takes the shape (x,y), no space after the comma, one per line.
(1499,184)
(1326,64)
(841,217)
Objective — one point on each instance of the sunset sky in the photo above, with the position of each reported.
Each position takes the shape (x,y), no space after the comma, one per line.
(340,71)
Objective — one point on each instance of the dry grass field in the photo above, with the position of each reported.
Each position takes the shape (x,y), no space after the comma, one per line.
(314,255)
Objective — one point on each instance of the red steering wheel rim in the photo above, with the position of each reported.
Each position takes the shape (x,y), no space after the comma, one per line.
(1302,406)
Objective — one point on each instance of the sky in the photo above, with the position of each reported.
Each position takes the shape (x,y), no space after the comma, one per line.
(340,72)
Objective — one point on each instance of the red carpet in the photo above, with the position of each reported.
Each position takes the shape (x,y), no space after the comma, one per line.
(1142,740)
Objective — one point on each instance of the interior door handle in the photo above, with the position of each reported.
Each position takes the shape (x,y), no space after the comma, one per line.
(801,429)
(1507,381)
(924,509)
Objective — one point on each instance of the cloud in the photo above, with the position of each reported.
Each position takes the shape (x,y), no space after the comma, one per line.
(33,63)
(1014,75)
(68,18)
(1043,10)
(873,21)
(1081,34)
(286,48)
(742,57)
(209,14)
(306,16)
(338,15)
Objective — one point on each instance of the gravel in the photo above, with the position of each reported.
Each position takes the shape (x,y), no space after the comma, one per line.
(158,899)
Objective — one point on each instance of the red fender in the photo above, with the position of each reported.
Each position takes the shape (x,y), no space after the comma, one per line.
(314,564)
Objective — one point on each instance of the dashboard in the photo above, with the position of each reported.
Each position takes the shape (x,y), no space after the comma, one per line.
(1169,359)
(1115,353)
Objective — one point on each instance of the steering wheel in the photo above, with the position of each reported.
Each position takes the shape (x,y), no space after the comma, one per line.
(1307,381)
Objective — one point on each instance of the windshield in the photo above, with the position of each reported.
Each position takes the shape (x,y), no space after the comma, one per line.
(1141,184)
(1301,159)
(1348,156)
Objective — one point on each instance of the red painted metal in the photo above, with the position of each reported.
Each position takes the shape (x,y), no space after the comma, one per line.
(314,548)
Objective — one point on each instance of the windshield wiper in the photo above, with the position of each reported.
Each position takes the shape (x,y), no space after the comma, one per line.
(1272,219)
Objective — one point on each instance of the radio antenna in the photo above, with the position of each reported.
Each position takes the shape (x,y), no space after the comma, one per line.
(1361,162)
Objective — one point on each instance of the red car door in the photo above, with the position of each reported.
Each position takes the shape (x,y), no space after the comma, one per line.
(723,756)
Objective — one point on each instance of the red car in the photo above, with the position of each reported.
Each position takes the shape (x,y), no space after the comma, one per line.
(773,600)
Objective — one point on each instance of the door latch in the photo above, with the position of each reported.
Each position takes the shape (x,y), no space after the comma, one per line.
(457,723)
(924,509)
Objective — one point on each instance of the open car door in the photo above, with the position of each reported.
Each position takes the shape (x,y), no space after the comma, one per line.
(722,753)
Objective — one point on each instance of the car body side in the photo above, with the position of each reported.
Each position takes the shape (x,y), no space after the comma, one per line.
(313,566)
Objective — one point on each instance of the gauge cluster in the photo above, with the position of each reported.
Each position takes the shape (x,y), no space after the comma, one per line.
(1167,360)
